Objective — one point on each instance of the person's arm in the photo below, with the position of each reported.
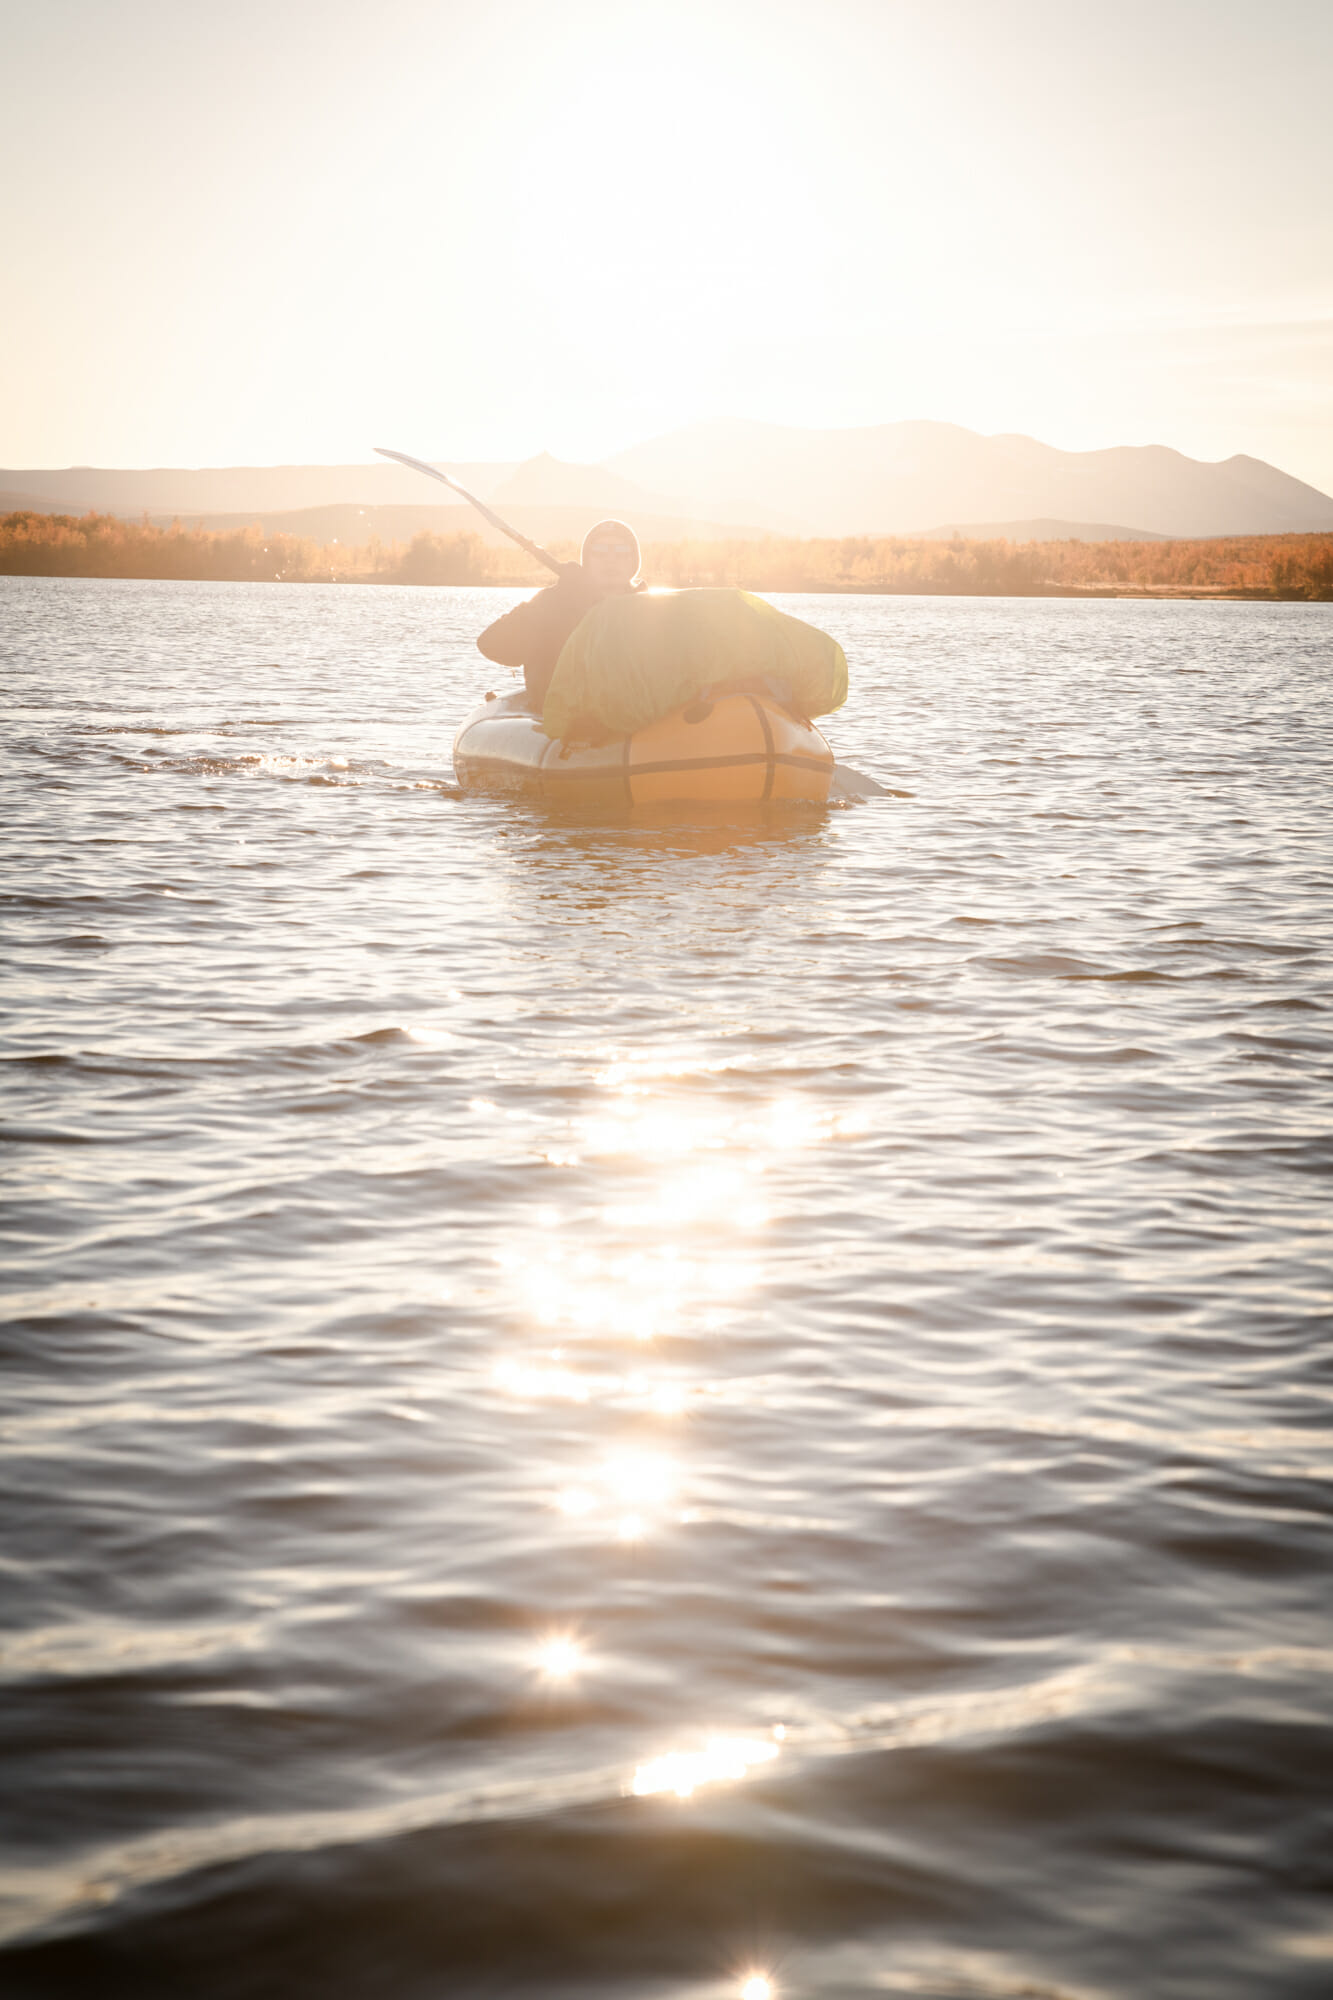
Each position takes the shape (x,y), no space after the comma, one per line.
(511,637)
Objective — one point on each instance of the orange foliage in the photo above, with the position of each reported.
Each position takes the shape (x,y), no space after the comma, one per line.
(33,544)
(458,559)
(1272,566)
(989,569)
(1289,566)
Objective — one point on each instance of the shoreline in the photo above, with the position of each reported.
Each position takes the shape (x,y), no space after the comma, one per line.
(1157,593)
(1246,568)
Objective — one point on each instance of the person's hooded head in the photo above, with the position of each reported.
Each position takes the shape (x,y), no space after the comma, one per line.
(610,557)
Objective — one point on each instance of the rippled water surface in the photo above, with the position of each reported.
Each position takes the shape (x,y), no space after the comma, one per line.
(642,1408)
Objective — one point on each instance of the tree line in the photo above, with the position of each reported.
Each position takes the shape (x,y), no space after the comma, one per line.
(1261,566)
(1265,566)
(36,544)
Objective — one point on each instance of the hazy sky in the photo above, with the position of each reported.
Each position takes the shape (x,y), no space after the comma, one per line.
(274,230)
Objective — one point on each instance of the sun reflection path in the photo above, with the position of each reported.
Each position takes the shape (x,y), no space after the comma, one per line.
(634,1293)
(659,1239)
(559,1657)
(638,1486)
(536,1381)
(675,1128)
(722,1760)
(689,1180)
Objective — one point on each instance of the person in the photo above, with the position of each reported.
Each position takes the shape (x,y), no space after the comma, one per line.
(532,634)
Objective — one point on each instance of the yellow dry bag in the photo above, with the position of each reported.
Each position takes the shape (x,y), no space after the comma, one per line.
(633,659)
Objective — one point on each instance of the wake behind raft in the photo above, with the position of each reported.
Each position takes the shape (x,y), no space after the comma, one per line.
(667,697)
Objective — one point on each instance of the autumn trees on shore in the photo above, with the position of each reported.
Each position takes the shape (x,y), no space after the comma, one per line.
(1263,566)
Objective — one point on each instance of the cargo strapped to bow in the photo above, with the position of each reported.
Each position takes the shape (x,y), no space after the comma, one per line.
(633,659)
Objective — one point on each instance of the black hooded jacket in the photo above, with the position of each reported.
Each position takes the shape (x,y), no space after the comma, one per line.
(532,634)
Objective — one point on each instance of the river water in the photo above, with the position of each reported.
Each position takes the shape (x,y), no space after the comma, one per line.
(644,1408)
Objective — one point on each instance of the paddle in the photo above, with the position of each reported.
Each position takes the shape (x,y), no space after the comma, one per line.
(433,472)
(846,783)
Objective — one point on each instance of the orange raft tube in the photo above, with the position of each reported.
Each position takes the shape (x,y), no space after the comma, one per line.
(734,747)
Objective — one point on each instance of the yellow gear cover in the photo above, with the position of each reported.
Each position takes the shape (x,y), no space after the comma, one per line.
(633,659)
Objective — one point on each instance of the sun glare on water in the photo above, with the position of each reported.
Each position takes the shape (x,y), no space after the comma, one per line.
(671,1170)
(636,1487)
(723,1760)
(559,1657)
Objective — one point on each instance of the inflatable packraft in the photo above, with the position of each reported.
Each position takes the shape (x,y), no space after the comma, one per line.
(662,696)
(738,747)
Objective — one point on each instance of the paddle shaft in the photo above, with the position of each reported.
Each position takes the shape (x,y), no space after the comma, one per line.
(433,472)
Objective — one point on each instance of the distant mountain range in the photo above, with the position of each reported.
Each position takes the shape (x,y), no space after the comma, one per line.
(255,491)
(898,478)
(738,478)
(545,499)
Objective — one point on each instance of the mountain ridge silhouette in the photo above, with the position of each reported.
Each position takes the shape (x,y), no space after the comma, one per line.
(740,476)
